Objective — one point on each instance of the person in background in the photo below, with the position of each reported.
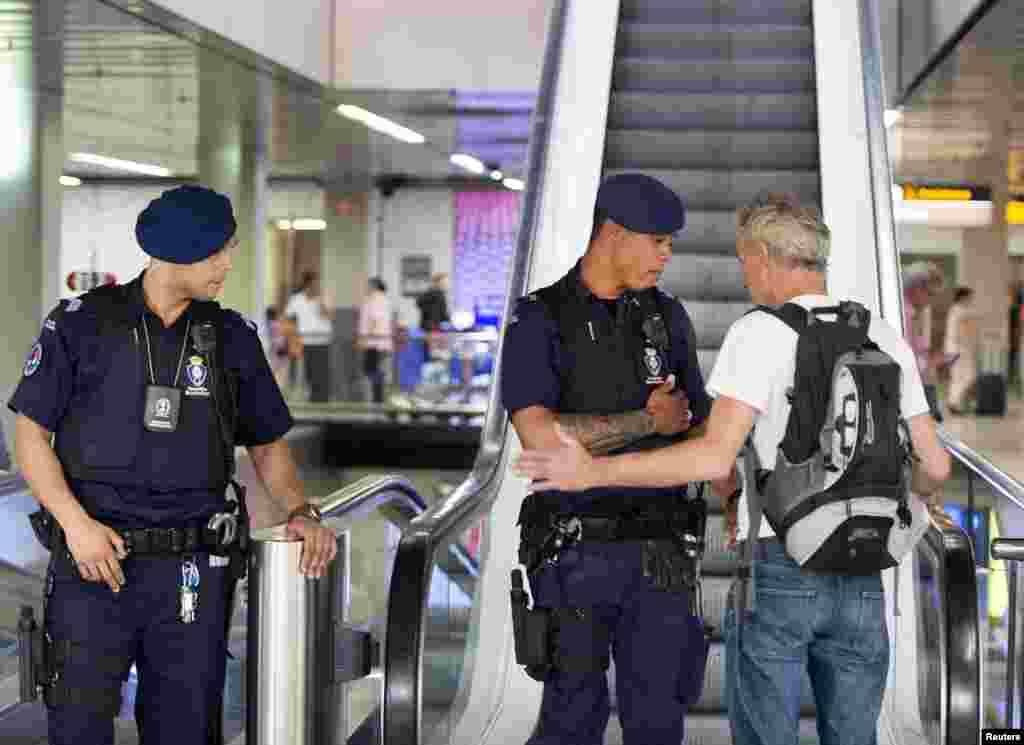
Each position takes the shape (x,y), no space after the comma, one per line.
(314,314)
(376,332)
(280,334)
(1016,316)
(433,304)
(961,347)
(919,285)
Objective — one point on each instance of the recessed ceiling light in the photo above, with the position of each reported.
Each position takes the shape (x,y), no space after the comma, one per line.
(468,162)
(380,124)
(117,164)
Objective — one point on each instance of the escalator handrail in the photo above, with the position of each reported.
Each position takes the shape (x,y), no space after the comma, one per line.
(960,657)
(887,262)
(407,601)
(999,480)
(13,483)
(370,493)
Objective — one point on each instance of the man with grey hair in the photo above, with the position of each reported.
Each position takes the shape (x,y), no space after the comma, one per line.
(832,626)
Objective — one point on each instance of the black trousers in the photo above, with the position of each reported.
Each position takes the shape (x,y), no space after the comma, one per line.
(181,666)
(372,361)
(317,361)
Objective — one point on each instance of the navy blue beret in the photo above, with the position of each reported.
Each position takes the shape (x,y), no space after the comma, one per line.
(186,225)
(641,204)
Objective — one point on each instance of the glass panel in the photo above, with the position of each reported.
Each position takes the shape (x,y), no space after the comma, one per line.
(449,646)
(373,542)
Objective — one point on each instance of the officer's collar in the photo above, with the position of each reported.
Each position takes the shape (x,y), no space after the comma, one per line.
(581,291)
(137,299)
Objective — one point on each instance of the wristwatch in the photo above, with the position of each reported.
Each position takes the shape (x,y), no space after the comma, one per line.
(307,510)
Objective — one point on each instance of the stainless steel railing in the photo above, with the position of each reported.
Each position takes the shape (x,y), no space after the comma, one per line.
(296,624)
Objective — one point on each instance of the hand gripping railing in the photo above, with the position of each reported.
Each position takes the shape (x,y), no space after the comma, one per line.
(299,647)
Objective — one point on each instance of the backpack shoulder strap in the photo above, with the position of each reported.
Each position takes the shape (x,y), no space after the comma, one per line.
(793,315)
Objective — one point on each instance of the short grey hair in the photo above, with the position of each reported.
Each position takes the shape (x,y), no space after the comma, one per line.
(789,230)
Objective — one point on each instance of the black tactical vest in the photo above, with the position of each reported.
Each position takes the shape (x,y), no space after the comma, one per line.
(611,367)
(99,437)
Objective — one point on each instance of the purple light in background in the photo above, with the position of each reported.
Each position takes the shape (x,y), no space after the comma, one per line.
(486,224)
(494,127)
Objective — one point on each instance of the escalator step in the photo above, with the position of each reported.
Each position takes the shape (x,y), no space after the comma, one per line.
(716,11)
(665,110)
(710,75)
(715,41)
(708,729)
(711,149)
(718,560)
(712,319)
(717,189)
(707,232)
(705,278)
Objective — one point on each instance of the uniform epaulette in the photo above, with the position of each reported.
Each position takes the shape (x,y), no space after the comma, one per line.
(234,316)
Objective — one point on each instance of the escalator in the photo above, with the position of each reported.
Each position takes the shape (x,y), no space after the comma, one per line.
(720,100)
(717,100)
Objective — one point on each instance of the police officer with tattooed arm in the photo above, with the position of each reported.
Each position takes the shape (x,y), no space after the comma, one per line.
(611,359)
(130,406)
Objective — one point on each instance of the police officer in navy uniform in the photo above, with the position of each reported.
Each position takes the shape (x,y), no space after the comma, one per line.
(604,356)
(145,389)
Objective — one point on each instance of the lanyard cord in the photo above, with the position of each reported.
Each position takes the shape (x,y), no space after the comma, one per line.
(149,352)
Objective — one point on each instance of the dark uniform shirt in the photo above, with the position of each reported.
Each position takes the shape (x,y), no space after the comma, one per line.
(50,381)
(534,361)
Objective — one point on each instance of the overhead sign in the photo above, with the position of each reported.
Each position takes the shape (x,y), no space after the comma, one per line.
(946,193)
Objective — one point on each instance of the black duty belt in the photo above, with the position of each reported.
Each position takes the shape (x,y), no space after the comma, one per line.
(185,540)
(612,529)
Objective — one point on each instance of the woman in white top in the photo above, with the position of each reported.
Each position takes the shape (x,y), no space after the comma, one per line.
(962,347)
(376,335)
(314,313)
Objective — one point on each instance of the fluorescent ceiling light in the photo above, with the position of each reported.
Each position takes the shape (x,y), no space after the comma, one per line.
(497,175)
(514,184)
(117,164)
(891,116)
(380,124)
(70,181)
(309,224)
(468,162)
(284,224)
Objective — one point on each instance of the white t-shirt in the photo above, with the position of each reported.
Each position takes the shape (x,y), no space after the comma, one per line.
(314,329)
(756,365)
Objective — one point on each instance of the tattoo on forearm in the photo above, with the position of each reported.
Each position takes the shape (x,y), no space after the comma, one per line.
(603,433)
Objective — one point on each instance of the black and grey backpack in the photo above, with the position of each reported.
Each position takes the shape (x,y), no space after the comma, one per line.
(838,496)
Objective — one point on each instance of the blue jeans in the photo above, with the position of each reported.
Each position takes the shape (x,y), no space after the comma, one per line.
(831,626)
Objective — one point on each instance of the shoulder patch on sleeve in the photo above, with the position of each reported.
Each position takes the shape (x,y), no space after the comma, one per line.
(73,305)
(33,360)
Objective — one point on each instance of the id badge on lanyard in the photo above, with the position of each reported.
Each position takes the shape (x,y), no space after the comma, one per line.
(163,403)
